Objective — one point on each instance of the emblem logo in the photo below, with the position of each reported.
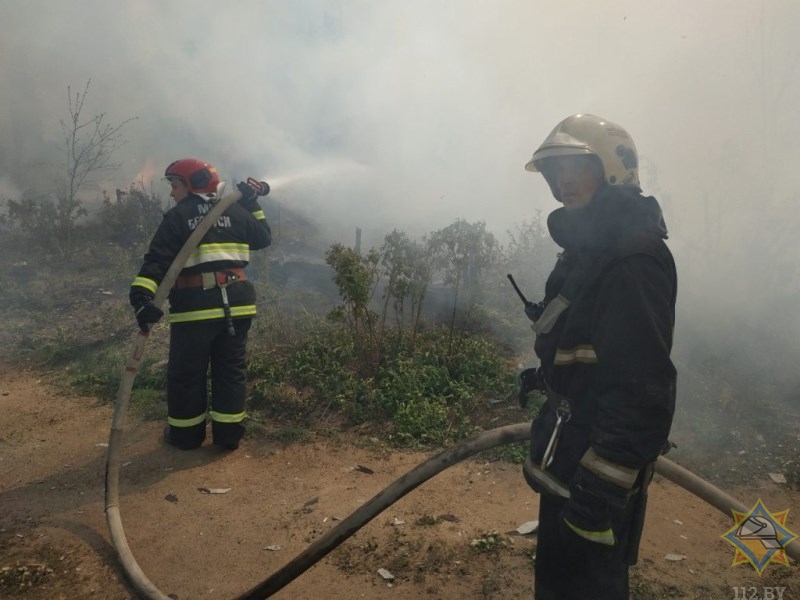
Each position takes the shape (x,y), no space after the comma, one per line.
(759,537)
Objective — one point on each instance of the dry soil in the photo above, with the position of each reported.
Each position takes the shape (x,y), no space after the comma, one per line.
(454,537)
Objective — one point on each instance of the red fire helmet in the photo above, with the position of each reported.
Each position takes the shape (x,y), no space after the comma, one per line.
(199,176)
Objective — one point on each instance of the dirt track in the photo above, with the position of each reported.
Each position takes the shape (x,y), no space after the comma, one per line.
(191,544)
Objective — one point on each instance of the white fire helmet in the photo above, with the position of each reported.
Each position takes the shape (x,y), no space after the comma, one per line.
(589,134)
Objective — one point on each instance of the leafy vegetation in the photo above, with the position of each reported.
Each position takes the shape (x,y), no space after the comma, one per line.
(374,358)
(429,396)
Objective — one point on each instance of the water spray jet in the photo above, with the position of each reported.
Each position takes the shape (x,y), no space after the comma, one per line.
(333,170)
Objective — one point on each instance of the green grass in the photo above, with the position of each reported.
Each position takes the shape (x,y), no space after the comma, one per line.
(308,375)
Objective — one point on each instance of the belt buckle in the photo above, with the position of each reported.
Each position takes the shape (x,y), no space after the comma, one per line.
(229,277)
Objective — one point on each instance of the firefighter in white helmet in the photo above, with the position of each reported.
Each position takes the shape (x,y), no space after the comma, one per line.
(603,338)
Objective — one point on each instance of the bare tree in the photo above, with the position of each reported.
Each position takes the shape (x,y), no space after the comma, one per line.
(90,145)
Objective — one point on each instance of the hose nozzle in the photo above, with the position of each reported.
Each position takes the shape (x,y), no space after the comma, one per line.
(261,187)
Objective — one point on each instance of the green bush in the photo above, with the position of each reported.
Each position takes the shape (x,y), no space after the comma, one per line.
(431,422)
(423,393)
(421,383)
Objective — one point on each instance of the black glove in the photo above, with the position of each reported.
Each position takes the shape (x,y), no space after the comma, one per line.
(249,193)
(530,380)
(593,506)
(146,314)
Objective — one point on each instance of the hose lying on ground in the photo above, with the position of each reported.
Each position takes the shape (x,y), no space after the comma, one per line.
(435,465)
(137,577)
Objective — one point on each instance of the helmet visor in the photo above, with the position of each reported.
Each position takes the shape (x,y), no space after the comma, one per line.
(534,164)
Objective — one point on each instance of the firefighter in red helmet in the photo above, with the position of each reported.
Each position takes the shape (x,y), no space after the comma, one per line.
(603,338)
(211,304)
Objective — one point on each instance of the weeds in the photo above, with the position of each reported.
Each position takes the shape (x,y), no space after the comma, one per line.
(421,384)
(427,402)
(426,521)
(489,542)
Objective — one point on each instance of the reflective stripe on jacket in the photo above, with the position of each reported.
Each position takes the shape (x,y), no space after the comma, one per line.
(226,245)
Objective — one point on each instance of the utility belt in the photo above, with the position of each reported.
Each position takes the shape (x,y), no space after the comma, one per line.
(211,279)
(215,279)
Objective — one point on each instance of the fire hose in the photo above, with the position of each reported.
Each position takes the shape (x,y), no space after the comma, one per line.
(137,577)
(377,504)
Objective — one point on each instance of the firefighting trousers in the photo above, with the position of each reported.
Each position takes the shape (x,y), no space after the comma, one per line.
(194,348)
(568,568)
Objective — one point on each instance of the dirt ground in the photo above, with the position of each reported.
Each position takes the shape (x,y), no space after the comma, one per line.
(437,542)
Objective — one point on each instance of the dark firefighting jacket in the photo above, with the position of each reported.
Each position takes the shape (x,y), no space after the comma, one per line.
(606,361)
(228,243)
